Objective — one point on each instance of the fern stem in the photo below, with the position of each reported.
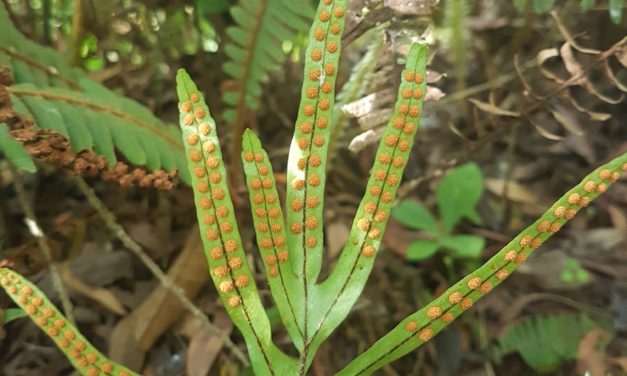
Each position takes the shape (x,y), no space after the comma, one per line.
(37,232)
(112,224)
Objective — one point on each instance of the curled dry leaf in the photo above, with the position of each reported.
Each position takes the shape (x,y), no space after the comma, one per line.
(364,139)
(493,109)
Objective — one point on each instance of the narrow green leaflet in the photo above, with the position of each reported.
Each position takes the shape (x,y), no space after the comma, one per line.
(336,295)
(227,261)
(82,354)
(421,326)
(14,151)
(12,314)
(271,237)
(464,246)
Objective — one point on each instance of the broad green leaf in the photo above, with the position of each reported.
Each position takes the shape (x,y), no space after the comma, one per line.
(415,216)
(421,249)
(14,150)
(463,246)
(458,193)
(11,314)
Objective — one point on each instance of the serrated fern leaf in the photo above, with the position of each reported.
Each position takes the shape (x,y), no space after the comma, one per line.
(254,51)
(14,151)
(225,254)
(82,354)
(545,342)
(62,98)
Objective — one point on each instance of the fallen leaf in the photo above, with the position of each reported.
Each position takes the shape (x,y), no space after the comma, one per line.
(136,333)
(590,358)
(100,295)
(205,347)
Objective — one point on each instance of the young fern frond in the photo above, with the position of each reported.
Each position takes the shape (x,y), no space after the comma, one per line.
(271,235)
(421,326)
(82,354)
(221,238)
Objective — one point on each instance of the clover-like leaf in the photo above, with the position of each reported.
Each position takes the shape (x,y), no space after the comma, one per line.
(458,193)
(415,216)
(464,246)
(421,250)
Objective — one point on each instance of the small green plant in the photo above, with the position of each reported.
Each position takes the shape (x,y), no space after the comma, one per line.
(457,194)
(292,245)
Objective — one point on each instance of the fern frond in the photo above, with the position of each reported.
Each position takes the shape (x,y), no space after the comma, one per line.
(254,51)
(336,295)
(271,236)
(62,98)
(225,254)
(82,354)
(545,342)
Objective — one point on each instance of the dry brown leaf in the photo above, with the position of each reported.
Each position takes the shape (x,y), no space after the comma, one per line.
(545,132)
(566,118)
(362,140)
(569,38)
(609,72)
(136,333)
(205,347)
(542,57)
(596,116)
(493,109)
(515,192)
(621,55)
(100,295)
(590,360)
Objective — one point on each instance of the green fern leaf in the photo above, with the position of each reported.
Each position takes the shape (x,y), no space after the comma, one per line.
(14,151)
(545,342)
(62,98)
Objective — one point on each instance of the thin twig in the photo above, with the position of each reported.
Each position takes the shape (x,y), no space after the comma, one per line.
(37,232)
(110,221)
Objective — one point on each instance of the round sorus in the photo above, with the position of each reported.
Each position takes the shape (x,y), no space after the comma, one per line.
(319,34)
(434,312)
(336,28)
(605,174)
(234,301)
(296,227)
(525,241)
(425,334)
(466,303)
(231,245)
(322,123)
(474,283)
(271,260)
(447,317)
(573,198)
(338,12)
(204,129)
(510,255)
(235,263)
(241,280)
(455,297)
(312,242)
(283,256)
(368,251)
(314,180)
(411,326)
(226,286)
(559,211)
(543,226)
(186,106)
(324,16)
(192,138)
(318,140)
(316,54)
(273,272)
(485,287)
(590,186)
(332,47)
(502,274)
(200,113)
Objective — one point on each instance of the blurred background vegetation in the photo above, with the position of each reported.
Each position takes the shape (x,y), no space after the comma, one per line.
(525,97)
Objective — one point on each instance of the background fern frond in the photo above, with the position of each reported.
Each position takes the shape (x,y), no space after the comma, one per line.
(545,342)
(62,98)
(254,51)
